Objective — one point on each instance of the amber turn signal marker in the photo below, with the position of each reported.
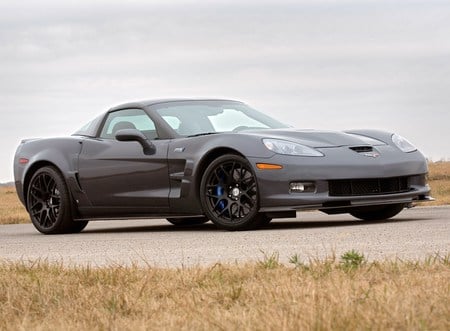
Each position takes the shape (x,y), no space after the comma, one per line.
(23,160)
(268,166)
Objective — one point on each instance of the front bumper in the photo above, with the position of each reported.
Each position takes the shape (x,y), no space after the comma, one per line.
(339,164)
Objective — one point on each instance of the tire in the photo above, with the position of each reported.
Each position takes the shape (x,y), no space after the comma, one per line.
(229,193)
(188,221)
(377,213)
(49,203)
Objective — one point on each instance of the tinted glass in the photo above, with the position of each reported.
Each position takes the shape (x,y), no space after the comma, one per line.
(128,119)
(197,117)
(90,129)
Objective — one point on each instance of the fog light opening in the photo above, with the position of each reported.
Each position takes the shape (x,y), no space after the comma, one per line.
(302,187)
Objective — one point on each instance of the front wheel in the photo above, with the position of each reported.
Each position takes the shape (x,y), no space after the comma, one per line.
(229,193)
(49,203)
(377,213)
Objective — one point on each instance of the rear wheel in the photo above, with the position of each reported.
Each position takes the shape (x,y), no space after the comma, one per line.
(188,221)
(229,193)
(49,203)
(377,213)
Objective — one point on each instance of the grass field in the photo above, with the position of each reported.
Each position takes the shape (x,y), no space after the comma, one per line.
(349,294)
(439,180)
(12,211)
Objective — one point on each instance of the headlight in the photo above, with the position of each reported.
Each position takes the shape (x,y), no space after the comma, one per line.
(290,148)
(403,144)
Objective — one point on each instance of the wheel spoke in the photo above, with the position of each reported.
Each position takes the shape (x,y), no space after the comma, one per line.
(241,171)
(53,214)
(41,183)
(224,178)
(252,186)
(246,207)
(48,183)
(217,203)
(217,175)
(33,194)
(250,199)
(239,210)
(43,217)
(38,190)
(223,211)
(232,211)
(36,203)
(37,213)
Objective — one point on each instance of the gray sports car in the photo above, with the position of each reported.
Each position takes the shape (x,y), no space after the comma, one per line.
(192,161)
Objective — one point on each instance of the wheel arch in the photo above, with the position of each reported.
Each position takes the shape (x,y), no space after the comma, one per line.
(207,159)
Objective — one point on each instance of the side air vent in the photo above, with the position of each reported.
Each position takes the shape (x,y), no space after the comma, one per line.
(362,149)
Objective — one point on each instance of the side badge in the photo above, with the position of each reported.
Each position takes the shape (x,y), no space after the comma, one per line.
(179,150)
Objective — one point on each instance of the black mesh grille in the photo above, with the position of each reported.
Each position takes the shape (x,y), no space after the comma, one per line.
(371,186)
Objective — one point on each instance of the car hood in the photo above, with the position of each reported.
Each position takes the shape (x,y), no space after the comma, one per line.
(312,138)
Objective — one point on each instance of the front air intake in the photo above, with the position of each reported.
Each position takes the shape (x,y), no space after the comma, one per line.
(370,186)
(362,149)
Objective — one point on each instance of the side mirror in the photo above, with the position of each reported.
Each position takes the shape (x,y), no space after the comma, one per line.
(136,135)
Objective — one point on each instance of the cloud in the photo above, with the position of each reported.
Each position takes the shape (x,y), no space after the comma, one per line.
(354,63)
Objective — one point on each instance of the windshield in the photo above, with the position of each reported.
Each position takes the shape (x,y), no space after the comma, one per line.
(89,129)
(190,118)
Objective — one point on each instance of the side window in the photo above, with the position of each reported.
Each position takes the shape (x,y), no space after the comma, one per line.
(128,119)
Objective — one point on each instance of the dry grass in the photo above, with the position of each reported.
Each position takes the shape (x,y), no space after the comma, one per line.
(12,211)
(322,295)
(439,180)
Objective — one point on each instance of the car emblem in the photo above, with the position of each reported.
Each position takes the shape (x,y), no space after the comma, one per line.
(372,154)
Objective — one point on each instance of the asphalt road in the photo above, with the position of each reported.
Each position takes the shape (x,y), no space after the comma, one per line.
(415,233)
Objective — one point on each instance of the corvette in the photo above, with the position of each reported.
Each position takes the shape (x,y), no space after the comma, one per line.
(198,160)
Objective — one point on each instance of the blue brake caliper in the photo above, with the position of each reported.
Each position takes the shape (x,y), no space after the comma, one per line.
(218,191)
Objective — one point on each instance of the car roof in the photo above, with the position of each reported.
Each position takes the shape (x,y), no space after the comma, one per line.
(145,103)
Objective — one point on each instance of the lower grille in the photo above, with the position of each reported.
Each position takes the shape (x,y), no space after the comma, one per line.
(370,186)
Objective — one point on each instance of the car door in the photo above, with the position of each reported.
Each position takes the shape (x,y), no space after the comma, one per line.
(118,174)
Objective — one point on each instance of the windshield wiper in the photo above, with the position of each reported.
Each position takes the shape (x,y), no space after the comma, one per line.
(201,134)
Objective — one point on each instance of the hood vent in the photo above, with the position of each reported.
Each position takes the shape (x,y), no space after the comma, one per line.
(362,149)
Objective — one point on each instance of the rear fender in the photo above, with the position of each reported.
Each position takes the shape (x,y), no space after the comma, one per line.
(61,153)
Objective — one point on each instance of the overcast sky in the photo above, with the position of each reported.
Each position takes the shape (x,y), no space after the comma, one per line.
(313,64)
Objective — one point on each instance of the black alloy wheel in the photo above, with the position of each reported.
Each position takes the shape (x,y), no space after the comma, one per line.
(229,193)
(49,203)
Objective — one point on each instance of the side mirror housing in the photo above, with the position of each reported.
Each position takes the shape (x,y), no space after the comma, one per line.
(136,135)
